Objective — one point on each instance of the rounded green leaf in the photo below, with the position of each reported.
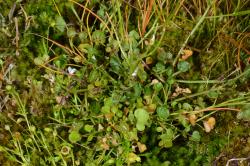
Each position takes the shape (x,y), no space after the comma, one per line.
(171,81)
(244,113)
(142,117)
(134,34)
(195,136)
(83,35)
(98,37)
(187,106)
(167,138)
(159,68)
(71,32)
(168,143)
(140,126)
(169,71)
(159,129)
(38,61)
(169,133)
(183,66)
(142,74)
(74,136)
(162,112)
(105,109)
(88,128)
(158,86)
(60,23)
(213,94)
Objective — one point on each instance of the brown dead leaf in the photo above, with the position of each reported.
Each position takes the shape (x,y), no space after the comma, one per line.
(154,81)
(1,76)
(104,144)
(182,90)
(186,54)
(175,94)
(179,91)
(209,124)
(192,119)
(149,60)
(141,147)
(109,116)
(151,108)
(61,100)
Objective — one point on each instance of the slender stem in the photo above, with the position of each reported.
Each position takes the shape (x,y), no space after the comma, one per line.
(206,110)
(196,94)
(199,81)
(214,109)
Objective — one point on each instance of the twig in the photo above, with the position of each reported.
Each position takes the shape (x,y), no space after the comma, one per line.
(16,39)
(237,159)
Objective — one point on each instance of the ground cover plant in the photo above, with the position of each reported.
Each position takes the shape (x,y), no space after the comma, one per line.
(122,82)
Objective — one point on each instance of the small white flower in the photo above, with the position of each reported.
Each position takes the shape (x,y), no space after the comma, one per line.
(135,72)
(71,70)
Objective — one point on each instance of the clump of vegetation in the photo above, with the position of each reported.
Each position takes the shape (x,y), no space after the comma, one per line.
(120,82)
